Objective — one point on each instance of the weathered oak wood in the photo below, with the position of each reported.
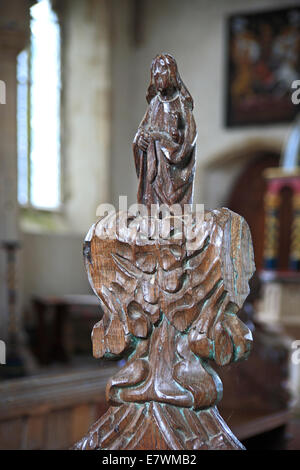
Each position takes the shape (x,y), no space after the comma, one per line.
(169,306)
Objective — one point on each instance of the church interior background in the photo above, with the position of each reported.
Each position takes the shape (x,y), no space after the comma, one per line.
(72,81)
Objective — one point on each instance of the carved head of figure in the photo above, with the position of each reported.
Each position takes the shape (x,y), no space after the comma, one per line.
(165,79)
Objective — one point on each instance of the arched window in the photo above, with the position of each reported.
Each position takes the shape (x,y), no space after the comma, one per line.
(38,112)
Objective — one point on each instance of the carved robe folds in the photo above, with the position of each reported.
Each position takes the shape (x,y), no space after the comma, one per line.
(166,170)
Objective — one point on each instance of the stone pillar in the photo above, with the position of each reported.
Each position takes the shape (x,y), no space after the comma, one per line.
(14,33)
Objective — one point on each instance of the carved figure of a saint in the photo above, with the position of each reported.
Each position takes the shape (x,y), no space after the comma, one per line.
(164,145)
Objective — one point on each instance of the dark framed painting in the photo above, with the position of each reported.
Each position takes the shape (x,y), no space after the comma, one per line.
(263,62)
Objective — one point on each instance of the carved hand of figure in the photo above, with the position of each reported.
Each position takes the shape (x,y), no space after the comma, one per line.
(143,140)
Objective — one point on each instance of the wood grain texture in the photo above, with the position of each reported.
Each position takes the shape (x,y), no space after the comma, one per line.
(172,312)
(169,306)
(159,426)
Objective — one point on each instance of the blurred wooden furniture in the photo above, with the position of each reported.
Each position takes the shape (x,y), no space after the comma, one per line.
(51,411)
(56,321)
(247,198)
(256,398)
(19,361)
(281,297)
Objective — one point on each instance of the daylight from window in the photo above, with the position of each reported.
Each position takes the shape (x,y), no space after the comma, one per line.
(39,112)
